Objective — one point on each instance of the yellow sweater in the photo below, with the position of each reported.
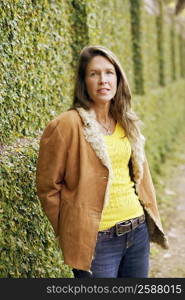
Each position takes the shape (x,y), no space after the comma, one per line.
(123,202)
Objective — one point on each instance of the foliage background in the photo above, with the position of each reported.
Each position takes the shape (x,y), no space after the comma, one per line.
(39,46)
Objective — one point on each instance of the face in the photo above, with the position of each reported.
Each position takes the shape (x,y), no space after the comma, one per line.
(101,80)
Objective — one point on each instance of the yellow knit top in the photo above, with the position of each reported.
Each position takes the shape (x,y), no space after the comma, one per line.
(123,202)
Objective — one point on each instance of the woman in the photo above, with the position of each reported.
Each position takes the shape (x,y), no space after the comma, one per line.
(93,178)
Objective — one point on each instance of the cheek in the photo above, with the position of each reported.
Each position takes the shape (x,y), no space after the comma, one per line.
(114,84)
(90,86)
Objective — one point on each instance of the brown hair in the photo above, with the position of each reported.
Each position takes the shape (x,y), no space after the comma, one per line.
(120,107)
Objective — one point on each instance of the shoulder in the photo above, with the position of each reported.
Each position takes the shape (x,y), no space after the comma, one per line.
(62,126)
(67,117)
(66,120)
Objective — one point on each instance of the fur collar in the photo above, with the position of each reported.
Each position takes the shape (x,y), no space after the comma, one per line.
(94,136)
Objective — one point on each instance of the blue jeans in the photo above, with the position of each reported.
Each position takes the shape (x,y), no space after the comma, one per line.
(120,256)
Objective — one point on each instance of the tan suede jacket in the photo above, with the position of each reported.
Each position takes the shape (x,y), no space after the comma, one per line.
(73,179)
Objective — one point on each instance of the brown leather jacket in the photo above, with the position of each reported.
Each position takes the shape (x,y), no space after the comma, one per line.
(73,179)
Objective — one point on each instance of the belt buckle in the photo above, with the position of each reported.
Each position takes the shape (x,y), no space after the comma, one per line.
(117,228)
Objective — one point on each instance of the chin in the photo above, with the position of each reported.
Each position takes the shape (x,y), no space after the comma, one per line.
(104,99)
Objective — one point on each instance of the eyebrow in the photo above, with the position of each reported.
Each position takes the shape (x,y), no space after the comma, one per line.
(97,69)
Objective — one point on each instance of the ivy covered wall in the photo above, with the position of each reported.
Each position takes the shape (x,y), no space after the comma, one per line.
(39,46)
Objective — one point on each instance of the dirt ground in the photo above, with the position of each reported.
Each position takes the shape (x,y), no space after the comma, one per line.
(171,263)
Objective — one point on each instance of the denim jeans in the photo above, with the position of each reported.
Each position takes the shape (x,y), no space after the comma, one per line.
(120,256)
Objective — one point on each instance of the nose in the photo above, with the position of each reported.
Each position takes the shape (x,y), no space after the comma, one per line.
(103,78)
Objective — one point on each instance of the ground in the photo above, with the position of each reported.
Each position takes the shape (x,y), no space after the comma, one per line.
(171,263)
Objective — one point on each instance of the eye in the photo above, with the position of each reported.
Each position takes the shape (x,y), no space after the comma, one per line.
(92,74)
(110,72)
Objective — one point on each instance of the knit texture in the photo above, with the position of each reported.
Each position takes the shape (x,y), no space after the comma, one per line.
(123,202)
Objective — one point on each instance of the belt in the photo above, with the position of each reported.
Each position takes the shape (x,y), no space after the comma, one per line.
(125,226)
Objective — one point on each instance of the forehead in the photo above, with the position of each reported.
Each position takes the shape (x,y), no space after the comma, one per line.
(99,62)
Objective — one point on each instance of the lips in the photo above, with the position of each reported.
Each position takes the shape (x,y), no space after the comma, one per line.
(103,90)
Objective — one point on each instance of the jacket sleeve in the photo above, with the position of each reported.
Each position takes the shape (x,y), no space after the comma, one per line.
(148,195)
(147,186)
(50,172)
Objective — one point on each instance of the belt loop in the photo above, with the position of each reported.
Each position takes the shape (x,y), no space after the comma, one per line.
(131,221)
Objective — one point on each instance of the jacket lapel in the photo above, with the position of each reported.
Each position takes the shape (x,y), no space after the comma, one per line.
(94,136)
(138,157)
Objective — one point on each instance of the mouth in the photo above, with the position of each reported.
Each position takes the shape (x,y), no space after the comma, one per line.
(103,90)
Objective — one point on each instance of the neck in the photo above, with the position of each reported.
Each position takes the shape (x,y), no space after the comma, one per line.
(102,112)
